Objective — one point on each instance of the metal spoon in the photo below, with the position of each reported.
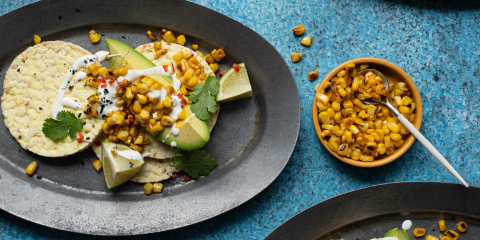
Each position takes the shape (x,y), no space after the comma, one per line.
(411,128)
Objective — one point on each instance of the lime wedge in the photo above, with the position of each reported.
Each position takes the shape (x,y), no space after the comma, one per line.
(234,85)
(399,234)
(120,163)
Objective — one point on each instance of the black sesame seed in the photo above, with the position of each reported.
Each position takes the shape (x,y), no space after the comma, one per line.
(101,108)
(70,87)
(84,123)
(131,164)
(103,115)
(88,138)
(39,177)
(18,70)
(20,137)
(40,108)
(80,114)
(105,91)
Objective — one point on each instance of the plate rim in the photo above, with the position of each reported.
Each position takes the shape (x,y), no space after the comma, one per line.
(291,144)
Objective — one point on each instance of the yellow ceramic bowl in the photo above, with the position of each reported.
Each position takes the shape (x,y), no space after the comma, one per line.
(394,74)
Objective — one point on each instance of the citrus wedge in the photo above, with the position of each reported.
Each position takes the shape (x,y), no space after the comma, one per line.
(120,163)
(234,85)
(396,234)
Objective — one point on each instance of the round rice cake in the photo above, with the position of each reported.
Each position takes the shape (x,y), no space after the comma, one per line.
(29,90)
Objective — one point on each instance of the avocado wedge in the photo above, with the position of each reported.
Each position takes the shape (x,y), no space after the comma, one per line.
(132,60)
(193,134)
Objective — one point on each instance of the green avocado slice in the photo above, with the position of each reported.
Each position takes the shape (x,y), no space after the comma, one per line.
(133,60)
(194,134)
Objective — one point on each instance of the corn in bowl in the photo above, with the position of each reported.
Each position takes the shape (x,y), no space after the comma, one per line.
(356,130)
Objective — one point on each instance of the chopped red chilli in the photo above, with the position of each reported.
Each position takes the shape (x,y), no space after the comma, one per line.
(236,67)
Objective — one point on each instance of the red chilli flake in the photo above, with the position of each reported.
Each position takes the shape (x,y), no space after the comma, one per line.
(100,79)
(123,83)
(131,118)
(221,73)
(98,143)
(182,100)
(117,128)
(103,85)
(80,137)
(236,67)
(111,82)
(165,67)
(186,178)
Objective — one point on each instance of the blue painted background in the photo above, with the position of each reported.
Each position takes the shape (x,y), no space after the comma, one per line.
(435,42)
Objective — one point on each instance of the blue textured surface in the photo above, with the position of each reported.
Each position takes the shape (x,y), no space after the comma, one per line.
(435,43)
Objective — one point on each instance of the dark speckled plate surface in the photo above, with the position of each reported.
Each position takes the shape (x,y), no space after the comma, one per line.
(370,212)
(252,141)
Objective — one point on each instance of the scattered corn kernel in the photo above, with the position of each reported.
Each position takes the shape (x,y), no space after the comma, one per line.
(157,187)
(296,57)
(418,232)
(148,188)
(37,39)
(94,37)
(31,168)
(298,30)
(97,164)
(462,227)
(151,35)
(306,41)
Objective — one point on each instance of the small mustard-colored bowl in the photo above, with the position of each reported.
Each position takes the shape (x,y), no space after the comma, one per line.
(394,74)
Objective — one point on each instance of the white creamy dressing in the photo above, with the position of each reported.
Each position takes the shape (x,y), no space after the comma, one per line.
(108,98)
(147,154)
(176,109)
(129,154)
(406,225)
(389,238)
(85,139)
(160,94)
(61,100)
(80,76)
(173,144)
(191,116)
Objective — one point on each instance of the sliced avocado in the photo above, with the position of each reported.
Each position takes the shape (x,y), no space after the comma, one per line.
(132,60)
(192,135)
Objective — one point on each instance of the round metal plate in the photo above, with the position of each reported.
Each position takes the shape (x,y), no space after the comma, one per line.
(68,194)
(370,212)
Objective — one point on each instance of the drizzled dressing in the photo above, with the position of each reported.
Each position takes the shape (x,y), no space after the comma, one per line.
(107,93)
(61,100)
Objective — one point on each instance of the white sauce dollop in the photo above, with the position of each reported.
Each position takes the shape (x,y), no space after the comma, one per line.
(173,144)
(129,154)
(191,116)
(406,225)
(85,139)
(134,74)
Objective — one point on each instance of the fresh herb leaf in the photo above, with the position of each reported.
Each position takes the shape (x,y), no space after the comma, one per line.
(195,163)
(66,123)
(203,103)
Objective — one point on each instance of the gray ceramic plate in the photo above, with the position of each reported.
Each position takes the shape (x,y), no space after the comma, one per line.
(370,212)
(252,141)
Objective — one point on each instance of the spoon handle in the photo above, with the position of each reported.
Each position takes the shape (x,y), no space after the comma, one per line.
(431,148)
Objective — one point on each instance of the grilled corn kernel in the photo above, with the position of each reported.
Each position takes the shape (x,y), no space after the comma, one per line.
(157,45)
(31,168)
(326,134)
(188,74)
(181,40)
(418,232)
(94,37)
(37,39)
(341,73)
(200,54)
(122,135)
(137,107)
(214,67)
(312,75)
(184,90)
(342,150)
(366,158)
(97,165)
(363,66)
(209,58)
(102,72)
(136,147)
(151,35)
(395,136)
(167,120)
(306,41)
(398,144)
(298,30)
(444,238)
(359,103)
(145,115)
(169,37)
(451,234)
(333,145)
(430,237)
(148,188)
(142,99)
(441,225)
(296,57)
(219,55)
(158,187)
(192,82)
(462,227)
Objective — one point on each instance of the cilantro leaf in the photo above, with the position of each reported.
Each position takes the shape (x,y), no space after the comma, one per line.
(203,103)
(66,123)
(195,163)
